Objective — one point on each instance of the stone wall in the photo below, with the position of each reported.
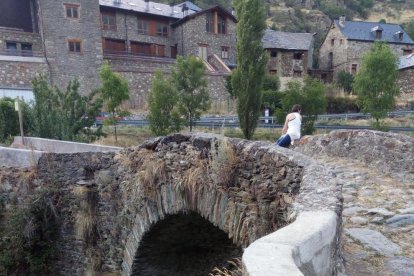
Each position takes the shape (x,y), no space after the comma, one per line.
(139,72)
(392,153)
(405,82)
(20,72)
(20,37)
(57,29)
(194,33)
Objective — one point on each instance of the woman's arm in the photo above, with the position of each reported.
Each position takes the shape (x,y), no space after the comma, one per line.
(285,126)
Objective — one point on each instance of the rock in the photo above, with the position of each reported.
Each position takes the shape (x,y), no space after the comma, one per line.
(377,220)
(409,210)
(359,220)
(352,210)
(381,211)
(348,198)
(401,266)
(367,192)
(374,240)
(400,220)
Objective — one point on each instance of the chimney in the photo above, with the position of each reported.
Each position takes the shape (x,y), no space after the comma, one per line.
(400,35)
(172,8)
(146,5)
(342,19)
(184,10)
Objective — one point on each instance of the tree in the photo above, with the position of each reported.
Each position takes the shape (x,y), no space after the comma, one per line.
(375,83)
(190,81)
(311,96)
(64,115)
(271,95)
(409,28)
(247,79)
(9,119)
(163,115)
(114,91)
(345,81)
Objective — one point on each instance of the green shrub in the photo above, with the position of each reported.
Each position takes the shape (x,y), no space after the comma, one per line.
(9,119)
(341,105)
(28,239)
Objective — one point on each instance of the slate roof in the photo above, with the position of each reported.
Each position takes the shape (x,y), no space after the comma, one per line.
(284,40)
(210,9)
(406,62)
(154,8)
(365,31)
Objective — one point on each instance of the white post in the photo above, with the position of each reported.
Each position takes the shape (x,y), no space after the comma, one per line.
(18,108)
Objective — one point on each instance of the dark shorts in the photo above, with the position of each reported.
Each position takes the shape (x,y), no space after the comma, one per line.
(284,141)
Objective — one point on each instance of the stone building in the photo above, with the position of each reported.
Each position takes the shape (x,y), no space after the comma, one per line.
(290,54)
(347,41)
(406,77)
(71,39)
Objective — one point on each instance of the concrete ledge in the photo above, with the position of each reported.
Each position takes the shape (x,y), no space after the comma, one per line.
(22,59)
(19,158)
(57,146)
(304,247)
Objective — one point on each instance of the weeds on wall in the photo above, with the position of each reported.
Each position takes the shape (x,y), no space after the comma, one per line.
(223,160)
(193,179)
(153,172)
(28,238)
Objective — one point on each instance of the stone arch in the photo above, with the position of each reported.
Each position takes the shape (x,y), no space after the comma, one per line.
(183,244)
(174,174)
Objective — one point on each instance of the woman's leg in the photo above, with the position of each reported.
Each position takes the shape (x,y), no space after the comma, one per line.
(284,141)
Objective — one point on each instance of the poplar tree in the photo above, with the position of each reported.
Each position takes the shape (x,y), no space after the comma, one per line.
(247,79)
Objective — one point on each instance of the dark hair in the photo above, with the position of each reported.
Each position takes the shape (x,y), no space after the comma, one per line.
(296,108)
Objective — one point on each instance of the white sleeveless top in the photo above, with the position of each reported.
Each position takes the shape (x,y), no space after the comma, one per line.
(294,127)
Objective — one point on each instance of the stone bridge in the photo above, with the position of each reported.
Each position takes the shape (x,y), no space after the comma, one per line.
(184,204)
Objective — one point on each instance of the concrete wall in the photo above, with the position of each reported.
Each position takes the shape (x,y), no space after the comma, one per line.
(49,145)
(19,158)
(304,247)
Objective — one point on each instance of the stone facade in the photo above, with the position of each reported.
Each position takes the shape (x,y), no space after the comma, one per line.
(57,30)
(19,73)
(406,82)
(8,35)
(339,53)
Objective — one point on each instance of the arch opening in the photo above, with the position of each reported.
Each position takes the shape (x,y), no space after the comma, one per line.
(183,244)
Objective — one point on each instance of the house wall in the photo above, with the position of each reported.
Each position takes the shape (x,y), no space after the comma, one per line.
(194,33)
(127,29)
(20,37)
(349,52)
(57,29)
(405,82)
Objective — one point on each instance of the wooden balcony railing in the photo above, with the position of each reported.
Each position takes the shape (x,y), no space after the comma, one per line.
(126,54)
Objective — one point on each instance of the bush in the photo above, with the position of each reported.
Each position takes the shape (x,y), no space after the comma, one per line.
(28,239)
(9,119)
(345,81)
(341,105)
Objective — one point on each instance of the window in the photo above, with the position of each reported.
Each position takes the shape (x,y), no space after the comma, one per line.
(174,51)
(273,54)
(11,48)
(142,27)
(27,50)
(140,48)
(108,21)
(209,23)
(75,45)
(341,41)
(333,42)
(297,73)
(273,72)
(224,52)
(297,56)
(221,25)
(407,52)
(162,29)
(378,34)
(72,10)
(354,68)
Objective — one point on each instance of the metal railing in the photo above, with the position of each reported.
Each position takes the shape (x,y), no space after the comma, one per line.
(20,53)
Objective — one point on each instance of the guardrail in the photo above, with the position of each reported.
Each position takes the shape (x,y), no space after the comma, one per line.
(228,124)
(20,53)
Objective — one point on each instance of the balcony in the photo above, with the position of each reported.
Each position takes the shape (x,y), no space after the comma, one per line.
(21,55)
(133,55)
